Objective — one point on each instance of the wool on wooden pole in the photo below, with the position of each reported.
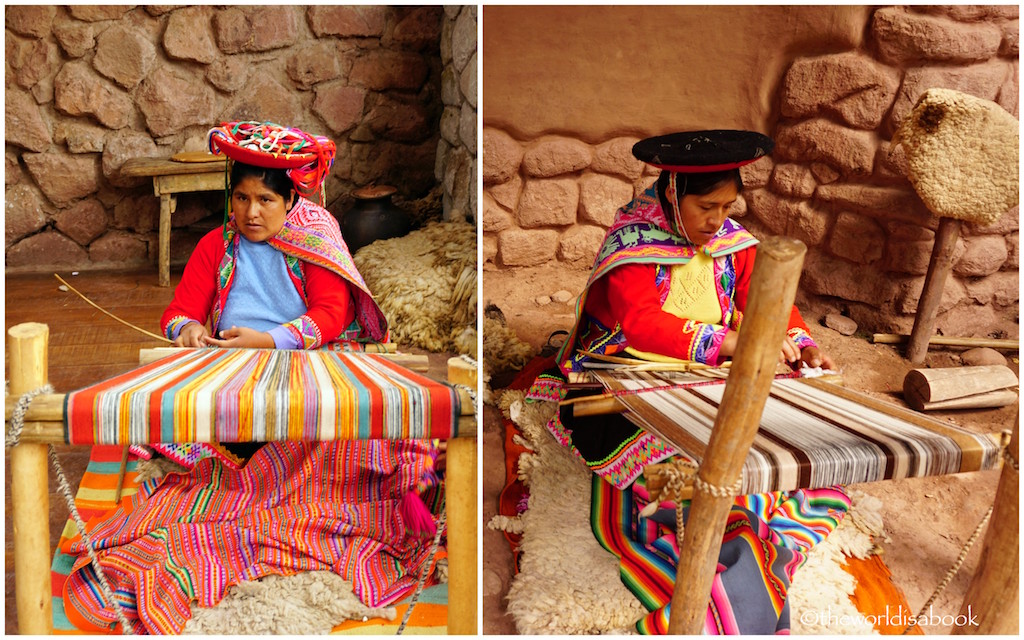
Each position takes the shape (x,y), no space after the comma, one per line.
(772,290)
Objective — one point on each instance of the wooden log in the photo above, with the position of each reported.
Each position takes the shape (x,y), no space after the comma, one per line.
(938,270)
(461,505)
(924,386)
(992,598)
(30,495)
(949,341)
(656,476)
(462,372)
(772,290)
(989,400)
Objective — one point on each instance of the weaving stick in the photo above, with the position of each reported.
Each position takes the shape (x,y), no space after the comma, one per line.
(928,305)
(993,592)
(30,494)
(101,309)
(772,290)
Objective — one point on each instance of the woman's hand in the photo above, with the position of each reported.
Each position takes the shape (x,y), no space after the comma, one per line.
(191,335)
(814,357)
(790,353)
(241,338)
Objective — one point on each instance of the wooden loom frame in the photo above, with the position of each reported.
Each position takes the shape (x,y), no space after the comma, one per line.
(994,588)
(27,346)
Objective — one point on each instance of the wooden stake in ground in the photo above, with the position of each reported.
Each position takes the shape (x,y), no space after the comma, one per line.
(938,270)
(992,597)
(30,495)
(772,290)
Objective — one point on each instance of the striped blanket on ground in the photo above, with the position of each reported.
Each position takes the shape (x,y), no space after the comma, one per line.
(766,539)
(242,395)
(295,506)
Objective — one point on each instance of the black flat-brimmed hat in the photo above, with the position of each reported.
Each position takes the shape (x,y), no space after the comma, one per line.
(703,151)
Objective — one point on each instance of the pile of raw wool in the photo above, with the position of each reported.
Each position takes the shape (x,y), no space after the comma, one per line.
(503,350)
(962,155)
(545,598)
(425,283)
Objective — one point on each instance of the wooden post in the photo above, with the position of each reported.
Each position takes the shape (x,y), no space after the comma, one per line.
(167,206)
(992,597)
(938,270)
(30,493)
(460,498)
(772,290)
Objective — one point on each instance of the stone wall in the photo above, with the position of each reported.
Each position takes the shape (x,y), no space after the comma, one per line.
(88,87)
(831,182)
(456,151)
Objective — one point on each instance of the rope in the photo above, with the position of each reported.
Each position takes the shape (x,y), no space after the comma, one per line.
(124,322)
(425,571)
(680,473)
(1010,460)
(953,569)
(13,438)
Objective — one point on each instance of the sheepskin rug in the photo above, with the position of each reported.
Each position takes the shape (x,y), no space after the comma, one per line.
(568,584)
(425,283)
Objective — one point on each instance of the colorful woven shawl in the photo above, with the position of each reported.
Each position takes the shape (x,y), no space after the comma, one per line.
(641,233)
(766,539)
(243,395)
(311,234)
(294,507)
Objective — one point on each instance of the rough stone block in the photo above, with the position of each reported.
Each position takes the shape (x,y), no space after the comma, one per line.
(33,62)
(467,82)
(756,174)
(850,85)
(889,203)
(795,180)
(969,12)
(264,98)
(229,75)
(616,157)
(98,13)
(122,146)
(450,92)
(774,211)
(119,247)
(80,137)
(188,36)
(579,245)
(79,91)
(601,196)
(548,202)
(467,127)
(124,54)
(1010,46)
(1005,224)
(64,178)
(464,38)
(83,221)
(502,156)
(490,250)
(1013,252)
(556,156)
(450,125)
(495,218)
(171,100)
(825,275)
(399,121)
(418,30)
(850,151)
(891,162)
(909,295)
(23,213)
(23,122)
(30,20)
(526,248)
(906,39)
(823,173)
(984,255)
(856,238)
(840,323)
(809,225)
(140,213)
(382,70)
(249,29)
(347,22)
(46,249)
(313,63)
(75,38)
(1002,288)
(507,193)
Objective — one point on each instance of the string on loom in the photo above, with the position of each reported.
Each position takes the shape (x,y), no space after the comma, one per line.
(618,393)
(13,437)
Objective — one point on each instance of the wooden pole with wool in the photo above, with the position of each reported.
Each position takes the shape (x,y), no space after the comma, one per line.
(772,290)
(962,159)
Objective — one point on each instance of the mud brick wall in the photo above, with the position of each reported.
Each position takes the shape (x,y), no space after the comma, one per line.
(831,181)
(88,87)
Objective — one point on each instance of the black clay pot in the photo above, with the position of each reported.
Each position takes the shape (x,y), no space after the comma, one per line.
(373,217)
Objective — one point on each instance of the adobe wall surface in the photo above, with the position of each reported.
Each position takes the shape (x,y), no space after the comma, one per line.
(567,92)
(88,87)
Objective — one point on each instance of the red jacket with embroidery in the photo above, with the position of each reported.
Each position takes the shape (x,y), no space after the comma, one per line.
(327,295)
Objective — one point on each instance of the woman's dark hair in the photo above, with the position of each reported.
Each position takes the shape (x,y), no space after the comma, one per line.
(699,184)
(276,179)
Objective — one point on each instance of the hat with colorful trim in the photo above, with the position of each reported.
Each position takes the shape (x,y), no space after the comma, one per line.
(703,151)
(306,158)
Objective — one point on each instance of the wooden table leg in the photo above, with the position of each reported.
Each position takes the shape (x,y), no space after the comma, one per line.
(167,206)
(460,499)
(30,494)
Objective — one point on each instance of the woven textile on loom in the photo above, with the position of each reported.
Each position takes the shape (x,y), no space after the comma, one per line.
(241,395)
(295,507)
(812,434)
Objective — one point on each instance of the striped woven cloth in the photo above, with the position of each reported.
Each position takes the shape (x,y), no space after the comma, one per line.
(242,395)
(766,539)
(294,507)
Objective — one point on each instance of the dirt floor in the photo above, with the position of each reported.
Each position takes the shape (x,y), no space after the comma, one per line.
(927,520)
